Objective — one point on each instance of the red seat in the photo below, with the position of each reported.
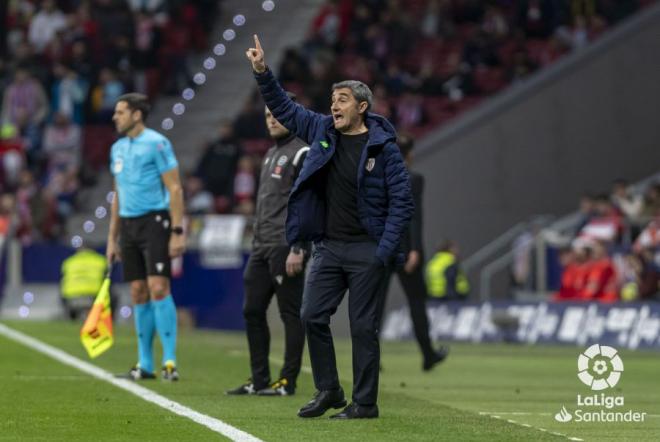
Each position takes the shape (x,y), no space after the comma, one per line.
(97,140)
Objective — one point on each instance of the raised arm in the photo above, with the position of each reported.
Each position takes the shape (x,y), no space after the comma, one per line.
(293,116)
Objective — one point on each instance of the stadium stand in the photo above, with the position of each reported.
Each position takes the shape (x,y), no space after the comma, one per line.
(60,75)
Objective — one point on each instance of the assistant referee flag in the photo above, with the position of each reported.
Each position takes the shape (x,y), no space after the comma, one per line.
(96,333)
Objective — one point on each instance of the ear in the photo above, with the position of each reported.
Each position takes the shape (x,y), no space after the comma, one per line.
(362,107)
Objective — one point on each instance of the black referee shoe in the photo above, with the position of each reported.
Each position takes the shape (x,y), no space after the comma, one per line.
(136,374)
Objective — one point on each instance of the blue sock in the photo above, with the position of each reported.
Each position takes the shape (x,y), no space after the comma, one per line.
(144,327)
(165,314)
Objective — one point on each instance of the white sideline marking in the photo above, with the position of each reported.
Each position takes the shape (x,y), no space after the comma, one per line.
(209,422)
(496,415)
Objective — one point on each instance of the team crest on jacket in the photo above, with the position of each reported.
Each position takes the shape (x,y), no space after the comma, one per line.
(371,162)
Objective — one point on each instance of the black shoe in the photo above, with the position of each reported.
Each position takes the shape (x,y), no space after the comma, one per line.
(355,411)
(279,388)
(136,374)
(322,402)
(169,373)
(247,388)
(435,358)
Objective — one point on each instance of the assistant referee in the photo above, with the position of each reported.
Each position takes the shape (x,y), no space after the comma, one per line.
(147,184)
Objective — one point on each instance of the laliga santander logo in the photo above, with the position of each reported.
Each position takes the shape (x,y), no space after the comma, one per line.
(600,367)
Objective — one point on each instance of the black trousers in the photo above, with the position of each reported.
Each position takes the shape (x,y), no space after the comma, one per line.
(265,276)
(414,286)
(336,267)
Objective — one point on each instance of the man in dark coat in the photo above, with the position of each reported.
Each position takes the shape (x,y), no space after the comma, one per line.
(352,198)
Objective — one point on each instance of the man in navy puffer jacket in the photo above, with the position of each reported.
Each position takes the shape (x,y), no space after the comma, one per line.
(352,198)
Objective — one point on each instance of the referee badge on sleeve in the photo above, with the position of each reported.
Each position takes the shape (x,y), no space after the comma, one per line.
(371,162)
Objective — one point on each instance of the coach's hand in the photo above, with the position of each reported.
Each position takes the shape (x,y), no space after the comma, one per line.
(177,245)
(294,263)
(412,262)
(256,56)
(112,252)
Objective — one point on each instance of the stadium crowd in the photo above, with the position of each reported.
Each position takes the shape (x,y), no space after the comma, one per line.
(614,252)
(425,60)
(62,66)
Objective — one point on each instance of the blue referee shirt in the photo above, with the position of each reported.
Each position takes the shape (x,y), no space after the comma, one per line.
(137,165)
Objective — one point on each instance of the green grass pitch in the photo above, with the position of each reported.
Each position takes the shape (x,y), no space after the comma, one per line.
(41,399)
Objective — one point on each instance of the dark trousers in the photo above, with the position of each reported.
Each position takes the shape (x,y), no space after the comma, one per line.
(336,267)
(265,275)
(414,286)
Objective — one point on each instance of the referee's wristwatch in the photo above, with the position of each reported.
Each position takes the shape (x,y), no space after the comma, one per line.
(178,230)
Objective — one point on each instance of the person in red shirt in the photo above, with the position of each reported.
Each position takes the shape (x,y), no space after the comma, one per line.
(576,264)
(601,278)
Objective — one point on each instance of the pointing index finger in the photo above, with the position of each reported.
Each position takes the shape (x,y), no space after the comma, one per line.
(256,42)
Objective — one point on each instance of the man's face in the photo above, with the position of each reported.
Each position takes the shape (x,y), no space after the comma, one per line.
(124,118)
(346,110)
(275,129)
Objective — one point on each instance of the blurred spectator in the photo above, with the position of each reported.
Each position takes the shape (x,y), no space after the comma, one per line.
(104,95)
(68,93)
(647,244)
(628,203)
(331,22)
(522,267)
(198,200)
(293,66)
(410,111)
(568,289)
(638,281)
(177,39)
(147,6)
(59,195)
(445,279)
(82,276)
(382,105)
(7,216)
(25,105)
(147,42)
(250,122)
(436,20)
(45,25)
(537,17)
(218,165)
(12,156)
(62,144)
(26,194)
(522,65)
(575,262)
(607,225)
(651,206)
(601,278)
